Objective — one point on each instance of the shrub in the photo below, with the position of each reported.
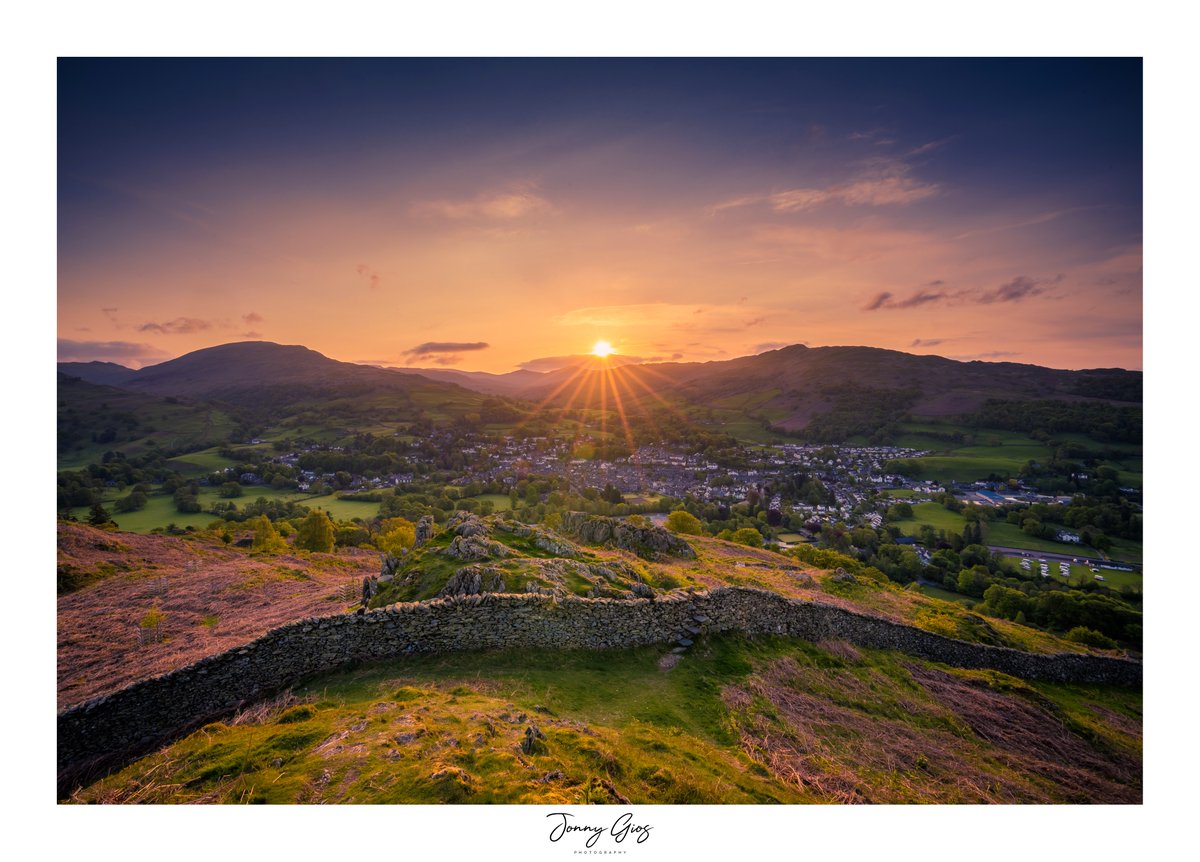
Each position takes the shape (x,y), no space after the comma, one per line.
(686,523)
(1090,637)
(747,536)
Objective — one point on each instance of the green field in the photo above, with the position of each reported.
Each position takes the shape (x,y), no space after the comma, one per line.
(946,595)
(1004,535)
(1000,452)
(500,502)
(935,515)
(1083,574)
(160,510)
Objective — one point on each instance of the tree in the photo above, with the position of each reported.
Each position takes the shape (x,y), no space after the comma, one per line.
(230,489)
(681,521)
(98,516)
(315,532)
(396,535)
(747,536)
(266,538)
(134,501)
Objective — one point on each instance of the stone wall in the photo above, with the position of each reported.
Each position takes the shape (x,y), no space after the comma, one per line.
(107,732)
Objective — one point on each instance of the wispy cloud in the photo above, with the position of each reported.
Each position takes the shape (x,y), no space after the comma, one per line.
(880,181)
(886,299)
(444,352)
(123,352)
(179,326)
(1020,288)
(927,342)
(991,354)
(512,203)
(252,318)
(372,277)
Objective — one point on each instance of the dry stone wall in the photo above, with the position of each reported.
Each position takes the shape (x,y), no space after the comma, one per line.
(109,731)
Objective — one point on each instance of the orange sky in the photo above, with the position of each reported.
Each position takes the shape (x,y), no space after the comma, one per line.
(542,238)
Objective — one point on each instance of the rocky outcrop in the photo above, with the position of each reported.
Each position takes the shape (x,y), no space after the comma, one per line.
(542,538)
(475,547)
(648,542)
(466,524)
(472,580)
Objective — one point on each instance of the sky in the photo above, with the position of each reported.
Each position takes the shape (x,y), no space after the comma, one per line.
(498,214)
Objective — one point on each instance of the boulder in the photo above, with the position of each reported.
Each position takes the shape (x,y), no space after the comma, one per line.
(424,530)
(649,542)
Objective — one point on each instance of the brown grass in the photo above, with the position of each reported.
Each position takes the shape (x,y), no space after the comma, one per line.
(857,735)
(191,581)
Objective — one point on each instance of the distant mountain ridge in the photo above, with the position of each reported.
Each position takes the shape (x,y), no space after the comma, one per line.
(791,385)
(246,371)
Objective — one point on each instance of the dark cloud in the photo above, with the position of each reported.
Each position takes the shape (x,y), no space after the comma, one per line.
(927,342)
(888,300)
(1019,288)
(111,314)
(372,277)
(445,350)
(252,319)
(178,326)
(123,352)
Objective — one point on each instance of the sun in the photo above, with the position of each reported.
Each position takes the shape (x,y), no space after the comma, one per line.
(602,349)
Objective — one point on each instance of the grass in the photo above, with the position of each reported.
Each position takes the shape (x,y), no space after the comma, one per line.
(1001,534)
(160,510)
(1001,452)
(1084,574)
(736,720)
(946,595)
(500,502)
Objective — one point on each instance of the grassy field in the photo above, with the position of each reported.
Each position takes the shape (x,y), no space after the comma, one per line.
(1004,535)
(500,502)
(946,595)
(1000,452)
(160,510)
(733,721)
(1083,574)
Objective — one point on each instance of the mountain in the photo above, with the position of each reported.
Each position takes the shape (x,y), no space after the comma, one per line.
(260,374)
(103,373)
(512,383)
(794,384)
(94,418)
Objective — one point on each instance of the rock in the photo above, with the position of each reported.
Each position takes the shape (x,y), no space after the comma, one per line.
(641,590)
(424,530)
(841,576)
(534,741)
(692,630)
(679,649)
(551,776)
(701,619)
(648,542)
(466,524)
(474,548)
(389,565)
(685,642)
(472,580)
